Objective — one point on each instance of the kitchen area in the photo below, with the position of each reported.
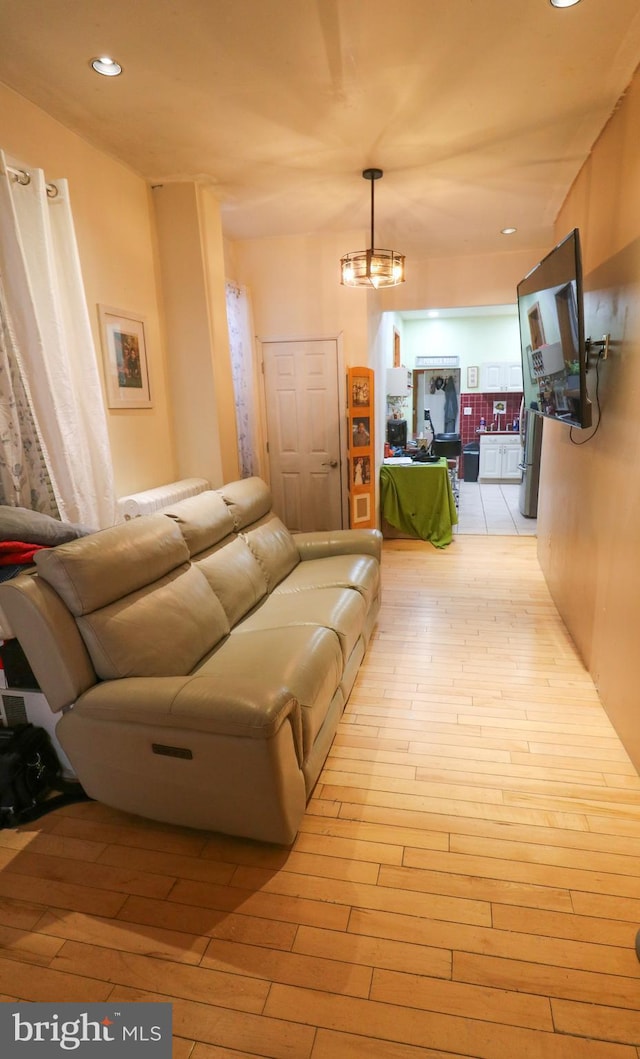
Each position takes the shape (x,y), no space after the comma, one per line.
(462,376)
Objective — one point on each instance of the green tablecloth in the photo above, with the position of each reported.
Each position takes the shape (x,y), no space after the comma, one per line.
(418,500)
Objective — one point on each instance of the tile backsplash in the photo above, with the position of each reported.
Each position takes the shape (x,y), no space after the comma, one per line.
(481,404)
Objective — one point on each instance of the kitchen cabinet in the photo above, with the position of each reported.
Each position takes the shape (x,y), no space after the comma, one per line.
(501,377)
(399,382)
(500,456)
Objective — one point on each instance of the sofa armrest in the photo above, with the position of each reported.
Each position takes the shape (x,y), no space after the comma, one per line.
(320,545)
(242,707)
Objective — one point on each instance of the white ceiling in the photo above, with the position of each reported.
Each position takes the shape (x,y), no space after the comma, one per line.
(480,112)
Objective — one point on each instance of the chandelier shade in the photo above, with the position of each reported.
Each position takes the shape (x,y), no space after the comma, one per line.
(373,267)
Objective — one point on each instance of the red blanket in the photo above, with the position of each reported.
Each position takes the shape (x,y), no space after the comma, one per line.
(17,553)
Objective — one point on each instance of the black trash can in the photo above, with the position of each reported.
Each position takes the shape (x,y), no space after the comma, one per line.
(471,461)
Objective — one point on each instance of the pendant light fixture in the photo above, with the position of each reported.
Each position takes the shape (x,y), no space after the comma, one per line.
(373,267)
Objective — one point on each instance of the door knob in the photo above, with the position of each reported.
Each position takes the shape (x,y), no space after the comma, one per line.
(330,463)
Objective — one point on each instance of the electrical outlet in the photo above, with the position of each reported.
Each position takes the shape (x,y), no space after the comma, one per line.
(467,411)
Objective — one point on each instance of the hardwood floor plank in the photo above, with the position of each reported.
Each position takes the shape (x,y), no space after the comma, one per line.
(239,992)
(374,952)
(20,915)
(481,1039)
(524,871)
(48,985)
(396,837)
(254,1035)
(518,945)
(113,934)
(289,885)
(330,1044)
(48,892)
(94,875)
(585,1020)
(555,855)
(291,968)
(456,998)
(421,805)
(498,891)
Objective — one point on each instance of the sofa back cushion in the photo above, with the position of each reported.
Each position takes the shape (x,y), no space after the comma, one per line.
(236,577)
(140,606)
(93,571)
(274,547)
(204,520)
(164,629)
(248,500)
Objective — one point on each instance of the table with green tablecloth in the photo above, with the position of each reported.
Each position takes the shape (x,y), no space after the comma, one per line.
(418,501)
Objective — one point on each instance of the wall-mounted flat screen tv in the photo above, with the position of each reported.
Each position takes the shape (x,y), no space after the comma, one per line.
(554,358)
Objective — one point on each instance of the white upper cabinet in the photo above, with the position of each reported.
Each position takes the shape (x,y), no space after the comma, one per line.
(399,382)
(498,377)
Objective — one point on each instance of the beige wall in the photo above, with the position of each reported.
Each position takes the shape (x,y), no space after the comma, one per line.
(296,291)
(114,227)
(589,512)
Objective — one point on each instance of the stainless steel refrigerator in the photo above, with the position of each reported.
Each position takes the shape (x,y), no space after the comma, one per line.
(531,434)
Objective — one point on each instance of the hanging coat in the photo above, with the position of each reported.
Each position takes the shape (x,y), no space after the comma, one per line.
(450,406)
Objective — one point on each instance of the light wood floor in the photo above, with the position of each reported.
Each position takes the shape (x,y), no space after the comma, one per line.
(466,881)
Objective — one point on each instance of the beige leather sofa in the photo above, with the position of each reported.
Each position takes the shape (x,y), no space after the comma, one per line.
(201,658)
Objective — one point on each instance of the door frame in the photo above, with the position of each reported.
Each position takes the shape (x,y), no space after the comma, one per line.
(261,341)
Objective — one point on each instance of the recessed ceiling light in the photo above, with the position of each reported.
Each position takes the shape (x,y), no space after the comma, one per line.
(106,66)
(508,231)
(563,3)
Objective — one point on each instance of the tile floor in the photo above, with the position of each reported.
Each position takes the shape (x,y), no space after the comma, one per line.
(492,509)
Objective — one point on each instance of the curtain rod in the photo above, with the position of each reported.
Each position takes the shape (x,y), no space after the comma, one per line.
(22,177)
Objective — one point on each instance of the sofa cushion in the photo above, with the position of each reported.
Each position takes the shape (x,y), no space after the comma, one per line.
(248,500)
(274,547)
(164,629)
(341,609)
(203,519)
(94,571)
(307,662)
(338,571)
(236,577)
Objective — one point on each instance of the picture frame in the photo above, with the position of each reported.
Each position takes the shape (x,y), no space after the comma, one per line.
(361,511)
(472,378)
(361,432)
(360,391)
(124,352)
(360,471)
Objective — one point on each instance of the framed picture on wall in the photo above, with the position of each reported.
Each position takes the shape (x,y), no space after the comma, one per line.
(472,378)
(124,352)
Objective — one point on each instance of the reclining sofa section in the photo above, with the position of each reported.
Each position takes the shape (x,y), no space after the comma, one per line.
(201,657)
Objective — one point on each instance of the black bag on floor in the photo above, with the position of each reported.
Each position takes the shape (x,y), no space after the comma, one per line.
(29,774)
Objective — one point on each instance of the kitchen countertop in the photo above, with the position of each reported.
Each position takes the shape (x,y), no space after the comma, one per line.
(493,433)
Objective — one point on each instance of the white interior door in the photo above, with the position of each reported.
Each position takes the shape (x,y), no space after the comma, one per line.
(303,432)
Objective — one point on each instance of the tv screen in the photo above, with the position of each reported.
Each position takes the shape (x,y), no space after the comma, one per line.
(551,314)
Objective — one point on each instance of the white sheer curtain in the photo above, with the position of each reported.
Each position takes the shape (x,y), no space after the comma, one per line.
(24,476)
(53,343)
(241,347)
